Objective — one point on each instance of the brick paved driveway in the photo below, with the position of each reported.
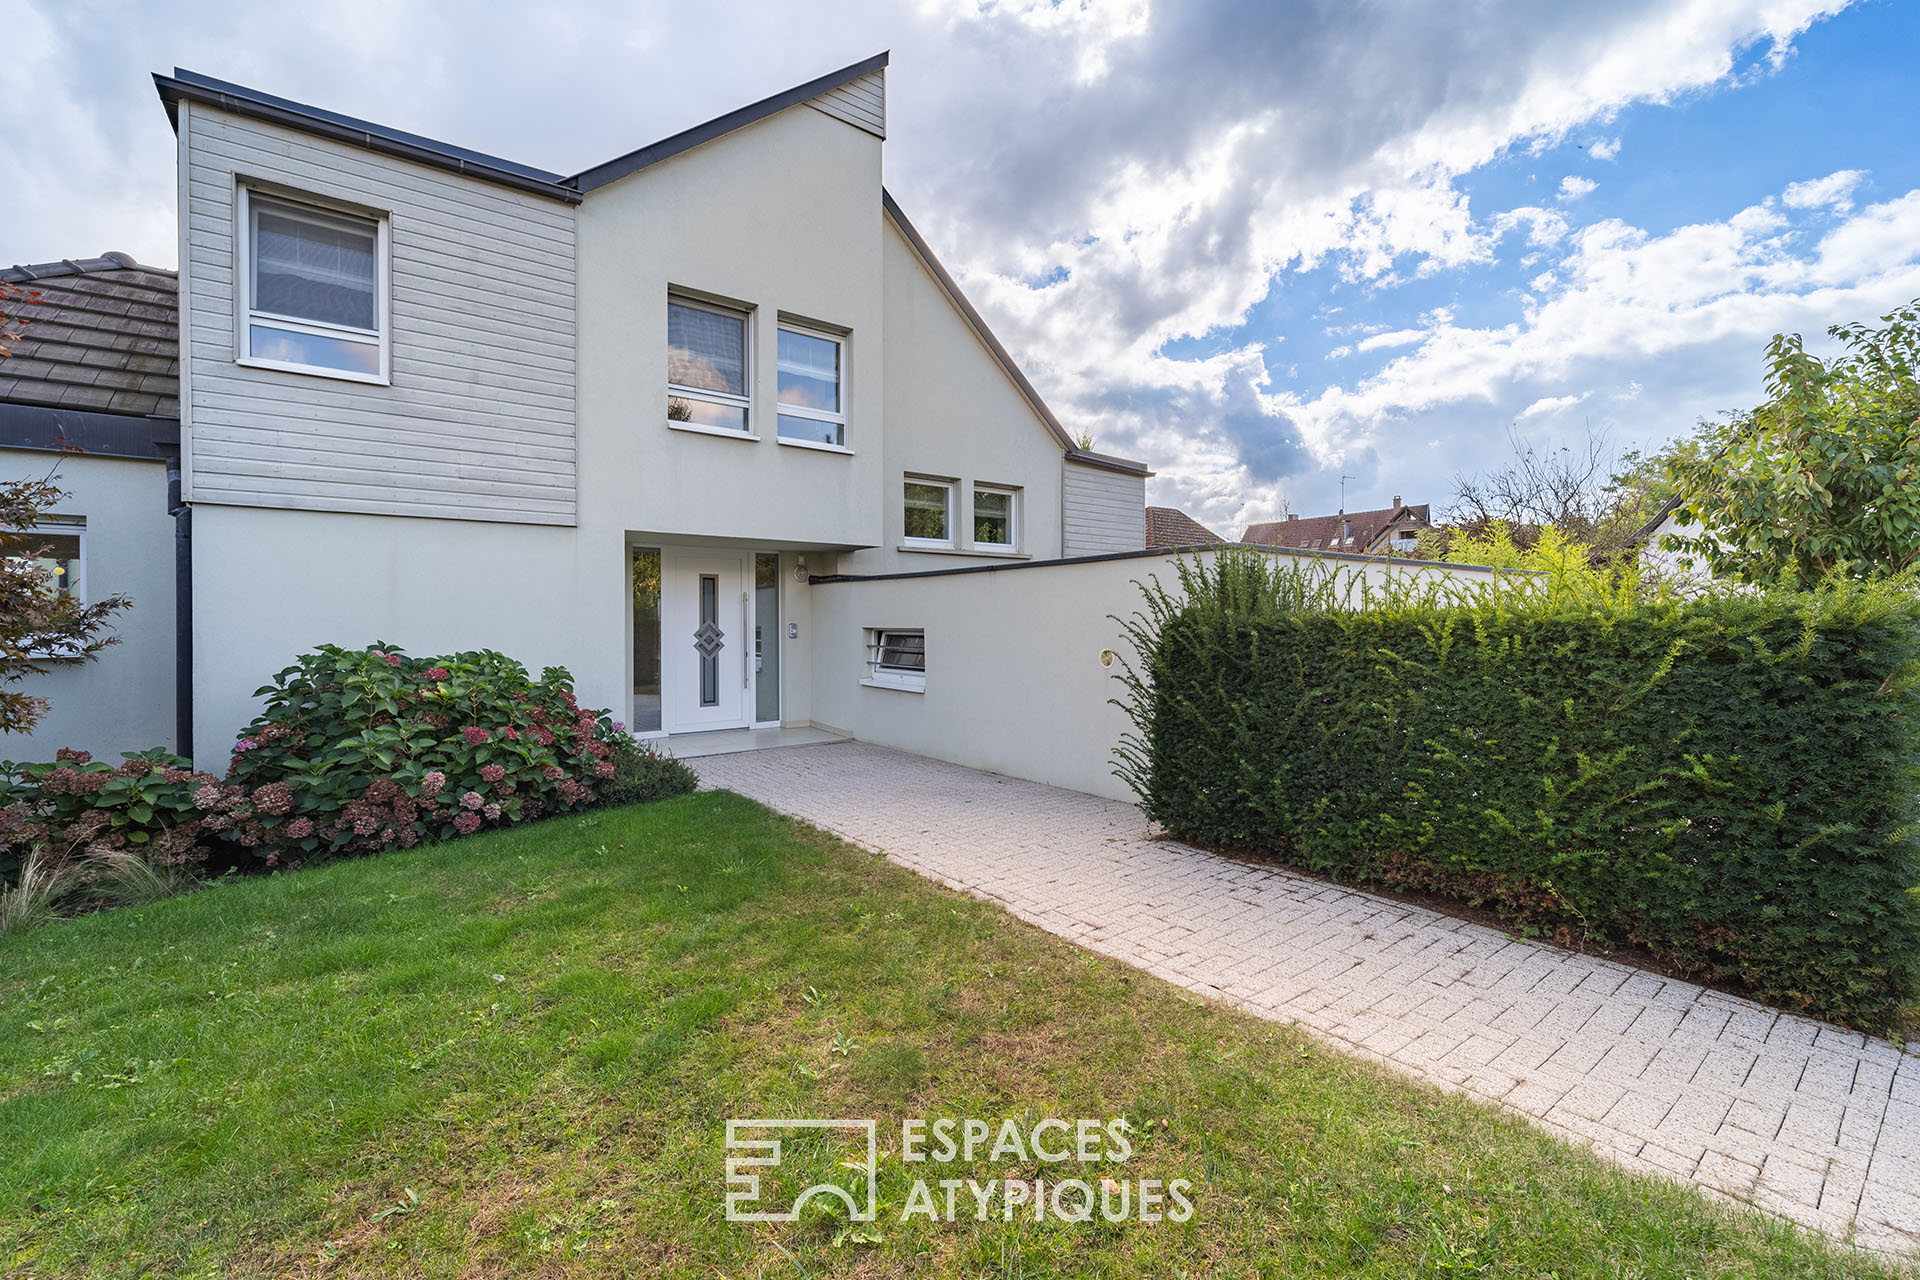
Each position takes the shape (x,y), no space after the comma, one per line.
(1795,1116)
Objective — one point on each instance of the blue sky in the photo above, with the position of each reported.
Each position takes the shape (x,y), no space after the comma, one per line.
(1259,245)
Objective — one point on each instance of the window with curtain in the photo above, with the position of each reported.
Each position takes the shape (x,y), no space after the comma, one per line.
(707,367)
(313,285)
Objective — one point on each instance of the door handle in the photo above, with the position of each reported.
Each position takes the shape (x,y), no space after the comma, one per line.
(746,632)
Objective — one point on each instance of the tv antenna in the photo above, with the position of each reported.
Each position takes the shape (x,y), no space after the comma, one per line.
(1343,491)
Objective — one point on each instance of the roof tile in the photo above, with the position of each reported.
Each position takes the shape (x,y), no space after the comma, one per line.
(104,336)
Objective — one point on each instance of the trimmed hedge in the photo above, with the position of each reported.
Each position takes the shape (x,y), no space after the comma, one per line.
(1728,781)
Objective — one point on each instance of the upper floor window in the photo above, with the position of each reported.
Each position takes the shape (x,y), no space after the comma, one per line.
(995,517)
(315,289)
(812,373)
(707,365)
(929,513)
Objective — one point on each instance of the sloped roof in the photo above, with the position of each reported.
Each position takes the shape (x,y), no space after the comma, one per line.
(687,139)
(104,337)
(1167,527)
(191,86)
(1326,532)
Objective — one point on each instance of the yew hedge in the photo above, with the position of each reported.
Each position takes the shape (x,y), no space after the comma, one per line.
(1728,781)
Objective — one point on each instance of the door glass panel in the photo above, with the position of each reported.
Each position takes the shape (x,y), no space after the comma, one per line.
(646,640)
(766,636)
(709,640)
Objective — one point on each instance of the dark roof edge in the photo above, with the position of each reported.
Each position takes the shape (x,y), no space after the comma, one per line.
(86,432)
(1646,530)
(979,325)
(111,260)
(687,139)
(1221,548)
(188,86)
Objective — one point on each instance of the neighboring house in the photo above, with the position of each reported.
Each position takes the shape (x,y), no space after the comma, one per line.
(1656,560)
(1169,528)
(90,397)
(1394,529)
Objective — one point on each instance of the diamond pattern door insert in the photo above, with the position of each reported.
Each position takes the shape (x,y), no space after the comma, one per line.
(709,639)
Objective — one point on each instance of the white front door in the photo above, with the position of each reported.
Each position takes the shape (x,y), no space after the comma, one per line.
(706,641)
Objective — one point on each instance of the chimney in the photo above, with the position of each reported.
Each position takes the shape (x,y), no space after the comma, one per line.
(1291,517)
(1396,499)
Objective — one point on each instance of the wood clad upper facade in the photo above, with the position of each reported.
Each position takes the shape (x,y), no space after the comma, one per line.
(861,103)
(478,420)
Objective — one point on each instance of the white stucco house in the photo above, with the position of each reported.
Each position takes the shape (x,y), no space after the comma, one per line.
(707,424)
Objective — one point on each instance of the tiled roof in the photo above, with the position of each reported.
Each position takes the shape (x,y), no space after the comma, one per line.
(104,337)
(1326,533)
(1167,527)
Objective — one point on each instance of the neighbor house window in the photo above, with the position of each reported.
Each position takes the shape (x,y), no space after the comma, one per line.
(929,513)
(314,288)
(994,518)
(897,659)
(707,367)
(813,407)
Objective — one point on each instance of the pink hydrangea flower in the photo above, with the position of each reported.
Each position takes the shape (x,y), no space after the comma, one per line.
(472,800)
(604,769)
(466,823)
(299,828)
(393,659)
(436,673)
(493,812)
(619,727)
(432,782)
(475,735)
(245,744)
(493,772)
(207,797)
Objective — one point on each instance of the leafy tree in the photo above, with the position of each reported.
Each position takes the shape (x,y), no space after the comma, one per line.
(1583,490)
(1822,478)
(39,622)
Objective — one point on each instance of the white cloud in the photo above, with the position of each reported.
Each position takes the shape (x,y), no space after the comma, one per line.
(1396,338)
(1572,187)
(1606,149)
(1547,405)
(1835,190)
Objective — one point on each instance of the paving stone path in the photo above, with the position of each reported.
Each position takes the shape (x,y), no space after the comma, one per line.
(1792,1115)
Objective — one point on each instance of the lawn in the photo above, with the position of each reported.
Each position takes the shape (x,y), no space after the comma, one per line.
(516,1054)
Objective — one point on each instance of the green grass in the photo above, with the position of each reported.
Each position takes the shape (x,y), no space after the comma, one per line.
(516,1054)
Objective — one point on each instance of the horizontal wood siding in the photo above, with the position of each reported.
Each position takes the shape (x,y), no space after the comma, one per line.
(861,103)
(479,421)
(1102,511)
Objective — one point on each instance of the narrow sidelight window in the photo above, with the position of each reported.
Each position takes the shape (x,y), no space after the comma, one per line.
(646,640)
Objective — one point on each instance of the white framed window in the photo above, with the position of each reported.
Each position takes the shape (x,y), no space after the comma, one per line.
(996,518)
(812,390)
(897,659)
(929,512)
(313,289)
(59,546)
(709,356)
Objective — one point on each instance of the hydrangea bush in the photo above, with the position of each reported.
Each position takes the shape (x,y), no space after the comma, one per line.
(359,750)
(77,808)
